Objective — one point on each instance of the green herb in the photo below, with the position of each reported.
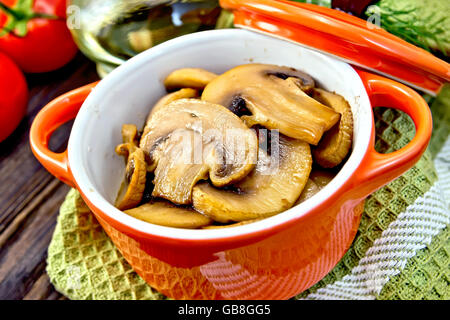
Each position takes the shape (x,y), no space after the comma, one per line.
(323,3)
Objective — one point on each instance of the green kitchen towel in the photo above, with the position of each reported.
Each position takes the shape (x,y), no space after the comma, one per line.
(401,250)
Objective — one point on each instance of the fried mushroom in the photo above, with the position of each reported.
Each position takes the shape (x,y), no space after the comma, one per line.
(336,143)
(310,189)
(189,140)
(276,99)
(129,138)
(166,214)
(180,94)
(318,179)
(195,78)
(266,191)
(134,185)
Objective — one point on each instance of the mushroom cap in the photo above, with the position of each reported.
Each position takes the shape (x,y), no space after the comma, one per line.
(195,78)
(276,98)
(189,140)
(266,191)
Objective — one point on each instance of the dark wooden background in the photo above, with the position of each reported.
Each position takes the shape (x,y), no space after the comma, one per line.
(29,196)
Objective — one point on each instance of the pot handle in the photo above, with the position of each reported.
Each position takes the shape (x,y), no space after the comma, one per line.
(379,169)
(52,116)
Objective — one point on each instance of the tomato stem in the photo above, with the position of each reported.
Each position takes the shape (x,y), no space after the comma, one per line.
(19,19)
(12,12)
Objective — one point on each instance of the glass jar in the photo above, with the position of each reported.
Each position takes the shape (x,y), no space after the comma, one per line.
(111,31)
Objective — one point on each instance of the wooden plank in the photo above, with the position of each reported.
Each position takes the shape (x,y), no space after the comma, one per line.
(19,170)
(22,259)
(43,289)
(23,215)
(29,196)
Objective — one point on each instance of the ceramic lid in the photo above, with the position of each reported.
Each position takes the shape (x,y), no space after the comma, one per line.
(346,37)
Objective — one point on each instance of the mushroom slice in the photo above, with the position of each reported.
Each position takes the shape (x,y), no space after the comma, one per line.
(321,177)
(195,78)
(166,214)
(190,140)
(317,180)
(176,173)
(180,94)
(129,138)
(134,185)
(275,99)
(311,188)
(184,93)
(266,191)
(336,143)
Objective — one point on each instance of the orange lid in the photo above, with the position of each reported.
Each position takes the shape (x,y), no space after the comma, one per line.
(346,37)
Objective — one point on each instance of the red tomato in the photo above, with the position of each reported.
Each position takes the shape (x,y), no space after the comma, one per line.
(46,43)
(13,96)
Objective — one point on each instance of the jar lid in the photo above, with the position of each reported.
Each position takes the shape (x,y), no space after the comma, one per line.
(346,37)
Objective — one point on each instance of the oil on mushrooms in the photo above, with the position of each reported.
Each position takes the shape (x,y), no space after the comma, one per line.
(276,98)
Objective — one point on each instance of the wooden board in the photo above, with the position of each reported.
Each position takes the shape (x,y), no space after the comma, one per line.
(29,196)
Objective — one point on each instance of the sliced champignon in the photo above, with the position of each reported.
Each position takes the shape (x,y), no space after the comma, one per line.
(336,143)
(266,191)
(129,138)
(164,213)
(318,179)
(321,177)
(132,190)
(195,78)
(276,99)
(180,94)
(176,173)
(190,140)
(184,93)
(310,189)
(134,184)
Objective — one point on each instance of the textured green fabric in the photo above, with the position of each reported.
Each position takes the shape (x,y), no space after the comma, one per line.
(426,276)
(84,264)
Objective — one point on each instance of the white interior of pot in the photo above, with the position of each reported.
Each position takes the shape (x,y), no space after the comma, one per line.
(129,92)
